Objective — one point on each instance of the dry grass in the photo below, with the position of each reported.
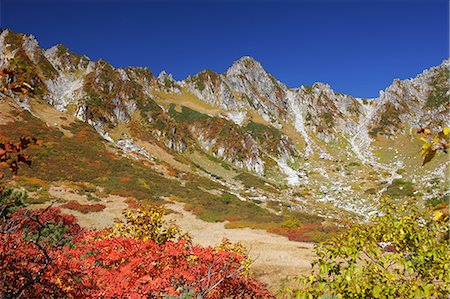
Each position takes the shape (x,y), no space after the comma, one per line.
(8,111)
(276,259)
(114,205)
(53,117)
(186,99)
(211,166)
(163,155)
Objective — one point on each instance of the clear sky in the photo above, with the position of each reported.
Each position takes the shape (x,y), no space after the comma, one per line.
(358,47)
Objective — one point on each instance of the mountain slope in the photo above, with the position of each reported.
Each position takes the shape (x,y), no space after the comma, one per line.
(311,148)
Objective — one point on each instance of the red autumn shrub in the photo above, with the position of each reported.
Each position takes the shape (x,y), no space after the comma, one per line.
(30,221)
(92,266)
(83,208)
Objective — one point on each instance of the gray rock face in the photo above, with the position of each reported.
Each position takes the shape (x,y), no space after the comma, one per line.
(415,100)
(105,97)
(31,46)
(245,85)
(211,88)
(318,110)
(167,83)
(247,76)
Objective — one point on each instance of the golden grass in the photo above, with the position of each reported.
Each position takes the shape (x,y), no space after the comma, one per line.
(211,166)
(186,99)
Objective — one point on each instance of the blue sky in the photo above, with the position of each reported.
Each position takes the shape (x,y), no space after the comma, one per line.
(358,47)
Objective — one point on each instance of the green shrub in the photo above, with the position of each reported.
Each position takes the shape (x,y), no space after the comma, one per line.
(400,188)
(186,114)
(290,223)
(10,200)
(355,265)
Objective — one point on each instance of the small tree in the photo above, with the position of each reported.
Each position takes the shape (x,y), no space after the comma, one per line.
(148,224)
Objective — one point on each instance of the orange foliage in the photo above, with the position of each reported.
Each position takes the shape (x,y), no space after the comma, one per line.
(171,171)
(11,155)
(86,265)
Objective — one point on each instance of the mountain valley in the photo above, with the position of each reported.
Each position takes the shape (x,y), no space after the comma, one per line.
(239,146)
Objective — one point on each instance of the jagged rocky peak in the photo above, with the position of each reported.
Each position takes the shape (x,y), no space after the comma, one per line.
(210,87)
(245,65)
(163,75)
(3,55)
(10,42)
(258,89)
(250,70)
(167,83)
(422,101)
(14,40)
(31,47)
(65,60)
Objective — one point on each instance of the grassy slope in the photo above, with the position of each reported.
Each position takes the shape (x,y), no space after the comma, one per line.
(83,156)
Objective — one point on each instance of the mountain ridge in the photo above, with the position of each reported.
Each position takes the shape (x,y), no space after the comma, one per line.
(243,117)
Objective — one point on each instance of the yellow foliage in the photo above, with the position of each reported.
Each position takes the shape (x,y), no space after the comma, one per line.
(240,249)
(35,182)
(148,224)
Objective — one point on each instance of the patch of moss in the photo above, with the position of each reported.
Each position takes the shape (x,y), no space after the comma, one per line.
(400,188)
(261,131)
(187,114)
(440,87)
(435,201)
(250,180)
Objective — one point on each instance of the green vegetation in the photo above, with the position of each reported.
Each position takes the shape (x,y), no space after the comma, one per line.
(261,131)
(414,264)
(94,100)
(438,94)
(84,158)
(328,119)
(229,207)
(69,58)
(400,188)
(252,181)
(439,200)
(308,89)
(11,200)
(186,115)
(168,83)
(199,79)
(47,69)
(371,191)
(221,162)
(14,40)
(389,119)
(353,163)
(400,171)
